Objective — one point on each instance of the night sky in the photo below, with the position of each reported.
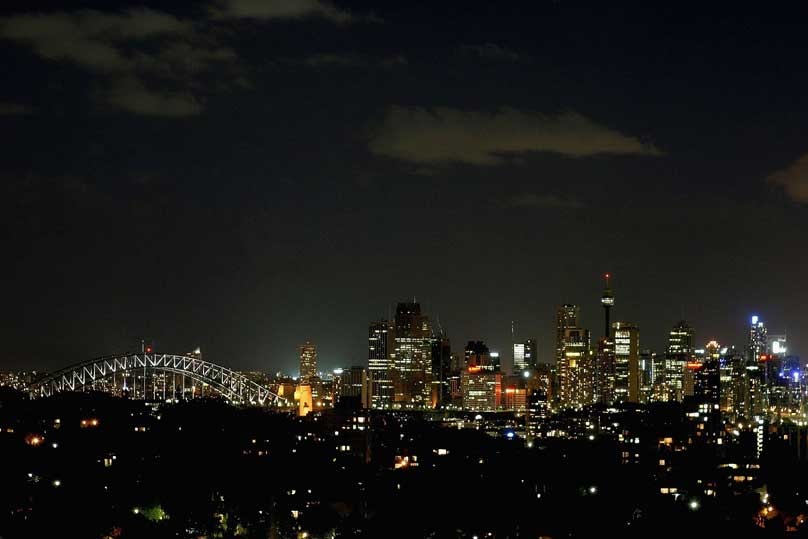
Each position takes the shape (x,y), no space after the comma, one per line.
(245,175)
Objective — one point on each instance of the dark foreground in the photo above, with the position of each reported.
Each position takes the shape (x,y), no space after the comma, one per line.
(91,466)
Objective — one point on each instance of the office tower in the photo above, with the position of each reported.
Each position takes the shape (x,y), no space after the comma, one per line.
(531,354)
(757,367)
(351,388)
(524,355)
(708,376)
(680,351)
(758,338)
(566,317)
(482,388)
(607,300)
(538,410)
(626,339)
(441,354)
(477,354)
(576,374)
(604,371)
(519,363)
(379,364)
(412,357)
(648,364)
(308,363)
(707,396)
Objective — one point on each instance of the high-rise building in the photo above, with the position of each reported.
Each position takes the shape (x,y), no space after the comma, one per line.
(477,354)
(519,363)
(604,371)
(566,317)
(308,362)
(575,371)
(380,365)
(482,388)
(607,300)
(648,365)
(758,338)
(538,410)
(412,357)
(351,387)
(524,355)
(441,354)
(626,339)
(679,353)
(757,368)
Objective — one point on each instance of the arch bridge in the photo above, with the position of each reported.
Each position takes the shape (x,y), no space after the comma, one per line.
(228,383)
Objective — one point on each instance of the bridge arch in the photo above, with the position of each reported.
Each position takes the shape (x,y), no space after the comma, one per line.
(230,384)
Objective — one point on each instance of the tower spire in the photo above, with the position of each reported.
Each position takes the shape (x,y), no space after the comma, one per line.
(607,300)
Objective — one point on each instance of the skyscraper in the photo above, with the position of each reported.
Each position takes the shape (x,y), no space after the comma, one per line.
(679,353)
(380,365)
(412,357)
(566,317)
(441,356)
(308,362)
(519,363)
(575,371)
(626,339)
(524,355)
(477,354)
(607,300)
(351,387)
(758,338)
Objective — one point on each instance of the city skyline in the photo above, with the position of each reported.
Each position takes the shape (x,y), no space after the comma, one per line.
(203,174)
(651,340)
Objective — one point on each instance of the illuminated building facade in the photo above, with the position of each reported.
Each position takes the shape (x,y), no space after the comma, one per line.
(524,355)
(380,365)
(477,354)
(758,338)
(648,365)
(566,317)
(308,362)
(626,338)
(482,389)
(679,353)
(514,399)
(412,358)
(576,372)
(351,387)
(538,410)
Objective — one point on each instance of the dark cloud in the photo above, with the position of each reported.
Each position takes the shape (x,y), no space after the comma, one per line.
(286,9)
(445,135)
(154,80)
(353,60)
(491,52)
(535,200)
(794,179)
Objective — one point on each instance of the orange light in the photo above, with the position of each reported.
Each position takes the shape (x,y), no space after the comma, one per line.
(694,366)
(34,440)
(475,369)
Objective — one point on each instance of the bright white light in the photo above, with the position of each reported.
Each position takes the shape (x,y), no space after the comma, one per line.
(755,320)
(694,504)
(526,374)
(56,483)
(593,490)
